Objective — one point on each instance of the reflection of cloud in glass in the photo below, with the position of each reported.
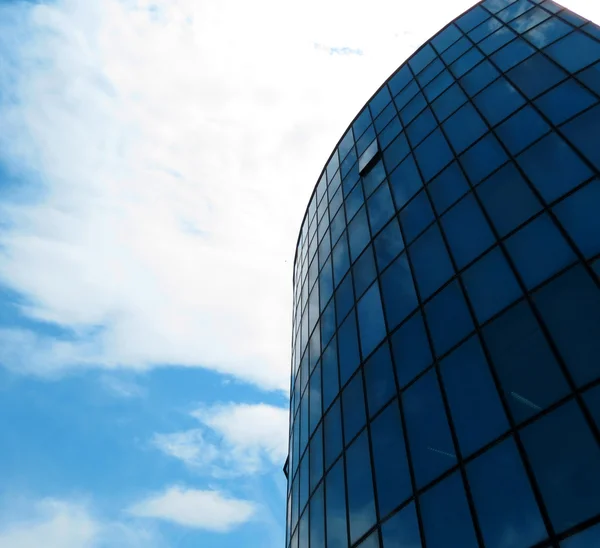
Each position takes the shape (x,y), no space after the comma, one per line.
(336,530)
(361,520)
(511,537)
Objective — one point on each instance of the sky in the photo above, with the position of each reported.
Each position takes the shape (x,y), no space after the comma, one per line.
(156,159)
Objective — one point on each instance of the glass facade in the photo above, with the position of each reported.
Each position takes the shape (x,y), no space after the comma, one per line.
(446,330)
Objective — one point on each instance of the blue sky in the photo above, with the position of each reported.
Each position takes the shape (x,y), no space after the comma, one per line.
(155,162)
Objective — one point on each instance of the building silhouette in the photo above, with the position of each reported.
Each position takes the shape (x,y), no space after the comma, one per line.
(446,332)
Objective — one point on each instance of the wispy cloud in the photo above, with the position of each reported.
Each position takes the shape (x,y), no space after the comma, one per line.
(233,440)
(208,510)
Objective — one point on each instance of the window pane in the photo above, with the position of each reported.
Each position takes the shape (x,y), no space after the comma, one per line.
(381,99)
(344,299)
(466,62)
(449,102)
(496,40)
(521,357)
(448,318)
(579,215)
(539,251)
(388,244)
(422,58)
(536,75)
(514,10)
(361,499)
(382,120)
(389,458)
(575,51)
(475,407)
(564,457)
(503,498)
(467,231)
(370,320)
(512,54)
(399,295)
(456,50)
(430,261)
(341,260)
(447,188)
(348,348)
(529,20)
(472,18)
(483,158)
(400,79)
(570,307)
(381,208)
(410,346)
(332,433)
(402,529)
(498,100)
(316,458)
(446,517)
(354,201)
(446,38)
(362,123)
(591,77)
(358,232)
(508,199)
(405,182)
(433,154)
(589,537)
(583,133)
(547,32)
(416,216)
(328,324)
(464,127)
(429,436)
(592,400)
(373,178)
(390,132)
(395,152)
(440,83)
(379,379)
(315,398)
(491,285)
(522,129)
(564,101)
(353,404)
(479,77)
(317,518)
(485,29)
(337,536)
(364,272)
(553,167)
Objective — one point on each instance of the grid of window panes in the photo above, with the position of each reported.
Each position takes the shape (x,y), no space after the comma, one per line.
(446,342)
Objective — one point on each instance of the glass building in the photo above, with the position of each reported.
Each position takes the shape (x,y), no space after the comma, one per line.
(446,334)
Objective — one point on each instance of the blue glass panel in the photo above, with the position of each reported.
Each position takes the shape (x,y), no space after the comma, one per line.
(494,6)
(369,169)
(404,97)
(390,132)
(433,154)
(381,208)
(465,63)
(496,40)
(472,18)
(363,144)
(341,260)
(447,103)
(400,80)
(361,123)
(430,72)
(317,518)
(335,504)
(358,234)
(364,272)
(445,514)
(326,283)
(438,85)
(324,250)
(421,127)
(316,458)
(583,133)
(405,182)
(416,216)
(410,111)
(591,77)
(335,203)
(572,18)
(328,324)
(348,348)
(379,102)
(529,20)
(522,129)
(592,400)
(485,29)
(388,244)
(370,320)
(303,531)
(491,285)
(579,215)
(467,231)
(384,118)
(546,33)
(372,541)
(564,457)
(399,296)
(402,529)
(565,101)
(479,77)
(448,318)
(521,357)
(430,261)
(331,380)
(353,405)
(475,407)
(354,201)
(379,379)
(445,38)
(504,499)
(514,10)
(351,178)
(333,434)
(454,52)
(507,199)
(570,307)
(512,54)
(394,153)
(483,158)
(575,51)
(539,251)
(589,537)
(422,58)
(464,127)
(389,459)
(344,299)
(315,398)
(429,436)
(553,167)
(346,144)
(536,75)
(410,346)
(497,101)
(361,499)
(447,188)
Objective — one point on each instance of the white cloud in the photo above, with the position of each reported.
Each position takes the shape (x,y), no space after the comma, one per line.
(208,510)
(54,523)
(234,439)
